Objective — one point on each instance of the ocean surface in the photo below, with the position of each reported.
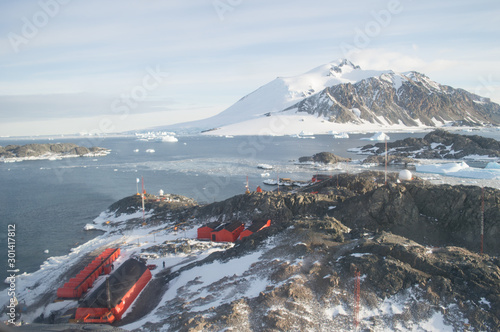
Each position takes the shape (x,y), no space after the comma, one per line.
(50,202)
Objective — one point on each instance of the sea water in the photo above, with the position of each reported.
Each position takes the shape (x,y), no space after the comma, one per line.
(50,201)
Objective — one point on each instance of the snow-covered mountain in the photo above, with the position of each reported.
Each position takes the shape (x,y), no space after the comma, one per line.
(393,98)
(340,96)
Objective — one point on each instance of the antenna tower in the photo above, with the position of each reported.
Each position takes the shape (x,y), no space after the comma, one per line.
(482,219)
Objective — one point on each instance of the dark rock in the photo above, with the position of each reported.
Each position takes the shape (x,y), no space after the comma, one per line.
(325,158)
(437,215)
(438,144)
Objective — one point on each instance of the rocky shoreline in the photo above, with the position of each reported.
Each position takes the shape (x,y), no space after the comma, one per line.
(438,144)
(34,151)
(415,245)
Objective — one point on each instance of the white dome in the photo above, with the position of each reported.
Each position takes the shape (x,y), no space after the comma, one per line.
(405,175)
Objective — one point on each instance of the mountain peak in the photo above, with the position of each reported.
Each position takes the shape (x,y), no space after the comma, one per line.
(337,68)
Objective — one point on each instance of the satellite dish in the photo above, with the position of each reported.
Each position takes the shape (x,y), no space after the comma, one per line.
(405,175)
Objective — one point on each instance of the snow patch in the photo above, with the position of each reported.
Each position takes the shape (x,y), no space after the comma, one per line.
(460,170)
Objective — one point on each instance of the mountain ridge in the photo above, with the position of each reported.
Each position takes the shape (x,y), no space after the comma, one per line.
(339,93)
(411,98)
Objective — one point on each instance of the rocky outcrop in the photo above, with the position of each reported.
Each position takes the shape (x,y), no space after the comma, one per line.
(409,98)
(49,150)
(438,144)
(281,208)
(324,158)
(310,271)
(434,215)
(437,215)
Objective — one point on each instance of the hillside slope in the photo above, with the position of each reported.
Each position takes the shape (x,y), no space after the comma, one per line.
(299,274)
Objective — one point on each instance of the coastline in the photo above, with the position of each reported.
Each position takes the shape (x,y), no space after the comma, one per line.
(126,231)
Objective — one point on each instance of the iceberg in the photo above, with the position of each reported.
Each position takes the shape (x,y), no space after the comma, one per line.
(493,165)
(264,166)
(169,139)
(379,136)
(341,135)
(89,227)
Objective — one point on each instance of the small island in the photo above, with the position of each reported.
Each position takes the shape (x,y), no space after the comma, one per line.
(34,151)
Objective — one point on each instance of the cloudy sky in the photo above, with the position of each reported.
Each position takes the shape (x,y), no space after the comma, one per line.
(88,66)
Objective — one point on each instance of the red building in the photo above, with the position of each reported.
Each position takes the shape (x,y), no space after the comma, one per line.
(79,284)
(112,298)
(254,228)
(228,232)
(205,231)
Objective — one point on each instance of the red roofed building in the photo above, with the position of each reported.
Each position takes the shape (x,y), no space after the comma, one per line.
(228,232)
(205,231)
(254,228)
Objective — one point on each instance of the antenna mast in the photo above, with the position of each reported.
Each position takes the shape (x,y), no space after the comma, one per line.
(482,219)
(142,195)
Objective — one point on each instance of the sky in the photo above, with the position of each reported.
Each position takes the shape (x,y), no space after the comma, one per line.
(97,67)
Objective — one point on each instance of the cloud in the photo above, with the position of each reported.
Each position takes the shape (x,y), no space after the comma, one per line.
(101,49)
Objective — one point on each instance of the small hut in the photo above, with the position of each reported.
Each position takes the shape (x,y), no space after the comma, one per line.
(254,228)
(205,231)
(228,232)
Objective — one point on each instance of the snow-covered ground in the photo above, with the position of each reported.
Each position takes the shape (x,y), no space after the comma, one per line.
(201,287)
(30,288)
(291,123)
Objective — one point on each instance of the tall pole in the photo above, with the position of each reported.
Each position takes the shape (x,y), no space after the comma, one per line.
(482,219)
(142,195)
(278,175)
